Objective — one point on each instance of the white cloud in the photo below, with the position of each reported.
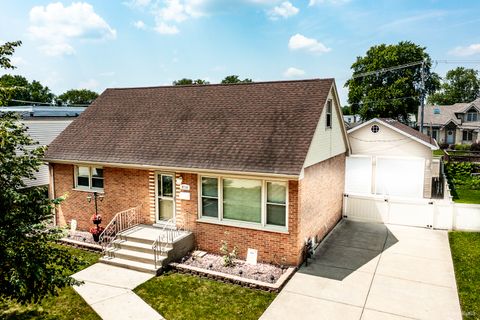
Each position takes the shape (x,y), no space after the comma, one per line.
(90,84)
(164,28)
(300,42)
(176,11)
(293,72)
(332,2)
(17,61)
(140,25)
(284,10)
(470,50)
(137,3)
(57,26)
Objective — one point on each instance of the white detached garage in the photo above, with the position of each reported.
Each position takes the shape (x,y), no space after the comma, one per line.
(389,158)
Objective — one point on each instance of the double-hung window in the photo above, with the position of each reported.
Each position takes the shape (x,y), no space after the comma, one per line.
(254,201)
(328,118)
(87,177)
(467,135)
(472,116)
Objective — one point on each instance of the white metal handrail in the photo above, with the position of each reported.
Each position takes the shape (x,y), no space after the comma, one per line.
(122,221)
(170,232)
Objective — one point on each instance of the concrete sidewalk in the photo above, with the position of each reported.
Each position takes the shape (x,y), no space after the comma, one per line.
(373,271)
(108,290)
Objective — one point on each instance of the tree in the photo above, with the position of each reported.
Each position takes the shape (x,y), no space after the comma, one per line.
(6,51)
(77,96)
(460,85)
(19,88)
(185,82)
(394,93)
(347,110)
(30,267)
(235,79)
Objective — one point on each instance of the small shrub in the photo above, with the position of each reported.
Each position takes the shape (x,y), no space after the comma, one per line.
(475,146)
(443,146)
(228,257)
(462,147)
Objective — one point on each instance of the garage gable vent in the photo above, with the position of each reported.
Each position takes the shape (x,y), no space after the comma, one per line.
(375,128)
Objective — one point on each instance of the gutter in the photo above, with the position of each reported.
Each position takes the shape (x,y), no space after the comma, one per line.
(174,169)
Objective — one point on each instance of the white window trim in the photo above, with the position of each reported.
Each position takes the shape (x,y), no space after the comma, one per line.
(238,223)
(90,175)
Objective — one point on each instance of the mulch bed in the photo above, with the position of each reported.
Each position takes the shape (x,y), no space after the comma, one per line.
(260,272)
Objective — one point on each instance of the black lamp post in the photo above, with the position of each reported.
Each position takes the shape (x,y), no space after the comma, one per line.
(95,197)
(96,218)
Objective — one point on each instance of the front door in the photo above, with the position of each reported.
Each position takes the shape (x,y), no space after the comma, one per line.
(165,196)
(450,137)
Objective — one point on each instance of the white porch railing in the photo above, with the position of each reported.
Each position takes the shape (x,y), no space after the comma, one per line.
(123,220)
(170,232)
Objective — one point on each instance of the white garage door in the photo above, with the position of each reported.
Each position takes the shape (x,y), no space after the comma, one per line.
(400,177)
(358,175)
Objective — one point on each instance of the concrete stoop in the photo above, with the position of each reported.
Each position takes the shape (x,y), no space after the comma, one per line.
(133,249)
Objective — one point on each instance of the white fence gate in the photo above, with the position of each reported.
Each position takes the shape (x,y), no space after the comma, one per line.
(427,213)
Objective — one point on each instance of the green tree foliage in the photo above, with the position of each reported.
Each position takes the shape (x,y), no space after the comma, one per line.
(186,82)
(30,267)
(77,96)
(6,51)
(459,85)
(347,110)
(235,79)
(19,88)
(392,94)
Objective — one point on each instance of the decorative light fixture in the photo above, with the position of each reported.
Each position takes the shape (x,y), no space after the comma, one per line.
(95,197)
(179,180)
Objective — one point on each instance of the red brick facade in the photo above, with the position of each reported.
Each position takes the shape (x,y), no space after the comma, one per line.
(123,189)
(321,197)
(314,207)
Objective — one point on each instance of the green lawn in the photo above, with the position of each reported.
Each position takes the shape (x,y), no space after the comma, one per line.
(466,196)
(179,296)
(67,305)
(465,248)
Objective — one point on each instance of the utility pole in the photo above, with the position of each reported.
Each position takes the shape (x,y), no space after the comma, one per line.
(422,94)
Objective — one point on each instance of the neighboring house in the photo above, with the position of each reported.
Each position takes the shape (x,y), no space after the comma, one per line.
(260,165)
(390,158)
(351,120)
(43,125)
(454,124)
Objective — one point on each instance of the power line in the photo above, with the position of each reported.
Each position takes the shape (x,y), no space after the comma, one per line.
(383,70)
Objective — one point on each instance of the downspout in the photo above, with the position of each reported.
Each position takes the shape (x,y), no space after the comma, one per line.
(51,193)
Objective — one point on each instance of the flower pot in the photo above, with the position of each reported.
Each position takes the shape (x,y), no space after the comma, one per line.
(96,237)
(97,221)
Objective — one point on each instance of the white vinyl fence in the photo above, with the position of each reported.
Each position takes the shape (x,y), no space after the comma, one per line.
(428,213)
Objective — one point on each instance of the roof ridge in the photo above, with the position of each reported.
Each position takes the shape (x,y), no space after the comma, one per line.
(223,84)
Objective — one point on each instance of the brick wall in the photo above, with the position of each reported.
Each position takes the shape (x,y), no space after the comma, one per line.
(273,247)
(321,198)
(123,189)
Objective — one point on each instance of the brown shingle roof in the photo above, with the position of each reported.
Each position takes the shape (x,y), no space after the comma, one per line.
(409,130)
(259,127)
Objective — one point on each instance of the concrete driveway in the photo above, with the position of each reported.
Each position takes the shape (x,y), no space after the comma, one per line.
(373,271)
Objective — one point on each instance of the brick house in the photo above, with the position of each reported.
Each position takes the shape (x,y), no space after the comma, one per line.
(260,165)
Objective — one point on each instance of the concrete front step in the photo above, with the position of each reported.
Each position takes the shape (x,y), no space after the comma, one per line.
(137,246)
(134,255)
(132,265)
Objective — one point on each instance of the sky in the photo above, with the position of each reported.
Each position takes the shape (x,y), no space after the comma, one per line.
(96,44)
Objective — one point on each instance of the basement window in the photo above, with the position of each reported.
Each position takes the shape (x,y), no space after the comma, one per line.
(87,177)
